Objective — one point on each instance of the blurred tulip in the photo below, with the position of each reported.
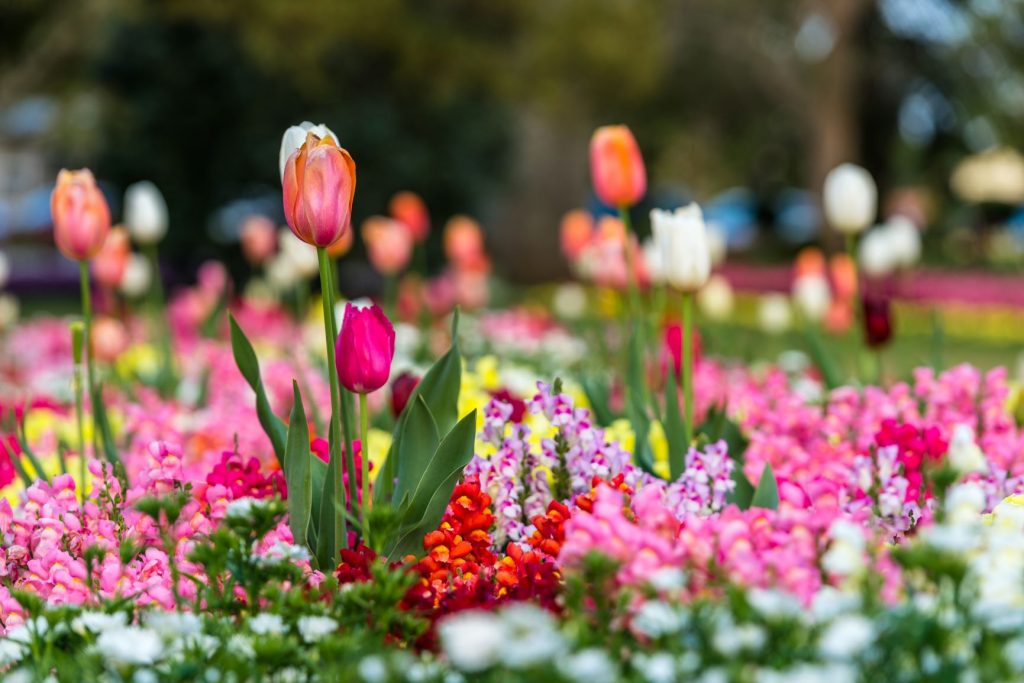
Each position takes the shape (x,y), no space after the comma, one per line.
(850,199)
(716,299)
(570,301)
(81,217)
(843,272)
(319,187)
(8,312)
(617,167)
(904,241)
(809,261)
(409,209)
(401,390)
(111,260)
(5,269)
(672,348)
(464,243)
(295,136)
(258,238)
(682,239)
(342,245)
(365,349)
(774,314)
(109,339)
(653,269)
(212,278)
(812,296)
(877,321)
(137,277)
(145,212)
(575,231)
(388,244)
(839,317)
(471,288)
(876,254)
(298,255)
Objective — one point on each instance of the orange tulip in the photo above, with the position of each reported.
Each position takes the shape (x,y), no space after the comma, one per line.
(109,339)
(575,232)
(843,270)
(464,243)
(610,231)
(342,245)
(319,187)
(810,261)
(81,217)
(388,244)
(111,260)
(616,166)
(409,209)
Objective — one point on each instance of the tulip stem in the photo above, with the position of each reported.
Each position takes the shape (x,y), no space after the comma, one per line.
(80,420)
(631,283)
(858,314)
(83,272)
(364,429)
(688,366)
(330,335)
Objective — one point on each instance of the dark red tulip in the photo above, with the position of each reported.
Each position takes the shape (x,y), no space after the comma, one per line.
(401,389)
(877,321)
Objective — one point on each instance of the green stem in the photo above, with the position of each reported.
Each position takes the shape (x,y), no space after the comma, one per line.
(327,297)
(165,381)
(688,365)
(364,430)
(82,461)
(347,408)
(631,283)
(83,272)
(851,251)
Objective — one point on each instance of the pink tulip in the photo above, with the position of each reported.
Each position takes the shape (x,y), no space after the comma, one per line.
(259,239)
(388,244)
(319,186)
(111,260)
(464,243)
(408,209)
(616,166)
(81,217)
(365,349)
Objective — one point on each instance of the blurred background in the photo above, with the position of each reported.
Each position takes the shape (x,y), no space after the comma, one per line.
(486,108)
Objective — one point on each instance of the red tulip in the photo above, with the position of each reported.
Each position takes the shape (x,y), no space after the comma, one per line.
(81,217)
(401,391)
(365,349)
(111,260)
(319,186)
(616,166)
(672,348)
(408,209)
(877,321)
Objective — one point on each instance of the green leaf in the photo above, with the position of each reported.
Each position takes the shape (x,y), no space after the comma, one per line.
(297,470)
(767,493)
(416,446)
(823,358)
(743,492)
(325,541)
(675,430)
(318,473)
(248,365)
(596,390)
(102,423)
(636,406)
(718,426)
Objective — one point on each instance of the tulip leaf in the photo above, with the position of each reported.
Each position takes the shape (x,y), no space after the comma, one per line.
(823,359)
(418,442)
(297,470)
(248,365)
(596,390)
(424,511)
(767,493)
(675,430)
(743,492)
(636,406)
(318,473)
(717,426)
(102,423)
(326,543)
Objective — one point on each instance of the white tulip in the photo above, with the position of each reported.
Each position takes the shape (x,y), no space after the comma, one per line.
(296,135)
(850,199)
(5,269)
(904,240)
(301,256)
(683,242)
(281,275)
(774,314)
(877,253)
(8,311)
(812,296)
(715,299)
(653,261)
(145,212)
(137,278)
(570,301)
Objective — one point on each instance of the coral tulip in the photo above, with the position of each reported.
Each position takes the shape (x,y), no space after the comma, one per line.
(81,217)
(342,245)
(616,166)
(319,187)
(575,232)
(259,239)
(409,209)
(111,260)
(388,244)
(365,349)
(464,243)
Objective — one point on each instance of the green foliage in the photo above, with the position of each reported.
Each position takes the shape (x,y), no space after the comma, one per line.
(675,430)
(766,495)
(248,365)
(298,472)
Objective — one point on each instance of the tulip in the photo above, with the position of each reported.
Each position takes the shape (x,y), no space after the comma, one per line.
(111,260)
(877,255)
(81,217)
(388,244)
(843,272)
(773,313)
(109,339)
(137,277)
(408,209)
(259,239)
(904,241)
(297,254)
(616,167)
(812,296)
(877,321)
(716,299)
(365,348)
(401,391)
(295,136)
(682,239)
(319,187)
(145,213)
(342,245)
(464,243)
(850,199)
(809,261)
(575,231)
(672,348)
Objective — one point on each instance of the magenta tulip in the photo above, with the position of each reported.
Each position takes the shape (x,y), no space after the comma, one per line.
(365,348)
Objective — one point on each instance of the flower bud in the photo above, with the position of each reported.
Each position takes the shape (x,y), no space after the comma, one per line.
(401,390)
(850,199)
(575,232)
(137,277)
(876,254)
(365,349)
(877,321)
(81,217)
(812,296)
(293,138)
(682,239)
(145,212)
(319,186)
(715,299)
(388,244)
(616,167)
(904,241)
(774,314)
(109,264)
(408,209)
(258,239)
(464,243)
